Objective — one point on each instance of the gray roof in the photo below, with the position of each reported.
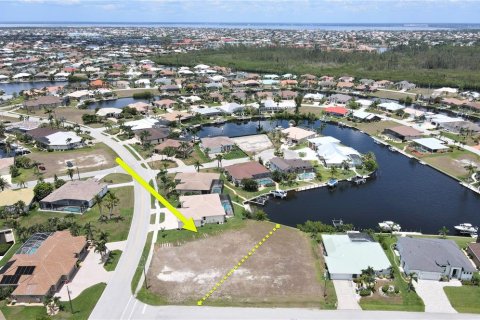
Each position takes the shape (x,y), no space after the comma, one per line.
(432,254)
(285,164)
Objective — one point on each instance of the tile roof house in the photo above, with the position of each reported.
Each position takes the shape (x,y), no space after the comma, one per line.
(297,135)
(74,196)
(430,259)
(473,250)
(203,208)
(171,143)
(43,102)
(218,144)
(290,165)
(198,182)
(155,135)
(42,265)
(403,132)
(246,170)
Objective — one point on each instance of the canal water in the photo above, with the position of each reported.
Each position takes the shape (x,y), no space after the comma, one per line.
(10,88)
(416,196)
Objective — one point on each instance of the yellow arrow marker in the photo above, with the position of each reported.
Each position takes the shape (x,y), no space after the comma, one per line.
(188,224)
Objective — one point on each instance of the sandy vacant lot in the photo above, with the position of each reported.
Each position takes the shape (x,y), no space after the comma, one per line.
(454,165)
(98,157)
(281,272)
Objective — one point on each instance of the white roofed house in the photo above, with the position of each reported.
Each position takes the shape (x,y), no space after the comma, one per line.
(431,145)
(391,106)
(364,116)
(60,141)
(230,108)
(332,153)
(218,144)
(348,254)
(109,112)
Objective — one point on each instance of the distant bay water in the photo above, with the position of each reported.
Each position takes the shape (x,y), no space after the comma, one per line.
(246,25)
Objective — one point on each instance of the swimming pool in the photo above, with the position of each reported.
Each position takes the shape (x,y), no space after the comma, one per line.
(265,182)
(72,209)
(227,207)
(306,176)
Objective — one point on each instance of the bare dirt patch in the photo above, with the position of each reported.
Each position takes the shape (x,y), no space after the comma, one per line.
(281,272)
(454,164)
(94,158)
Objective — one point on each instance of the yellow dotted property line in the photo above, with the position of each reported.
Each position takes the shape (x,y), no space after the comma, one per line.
(242,261)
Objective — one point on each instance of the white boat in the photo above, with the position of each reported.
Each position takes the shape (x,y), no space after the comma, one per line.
(392,149)
(279,194)
(466,228)
(389,226)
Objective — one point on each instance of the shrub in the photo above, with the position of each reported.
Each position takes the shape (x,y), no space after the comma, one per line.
(365,292)
(385,288)
(249,185)
(396,290)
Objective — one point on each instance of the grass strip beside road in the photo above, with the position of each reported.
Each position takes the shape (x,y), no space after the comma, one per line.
(141,264)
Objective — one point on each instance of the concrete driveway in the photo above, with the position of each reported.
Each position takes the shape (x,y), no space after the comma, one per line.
(434,297)
(346,295)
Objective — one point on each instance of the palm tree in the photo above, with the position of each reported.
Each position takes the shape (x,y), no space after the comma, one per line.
(70,173)
(179,117)
(298,103)
(219,159)
(197,165)
(144,135)
(22,183)
(89,231)
(99,200)
(345,165)
(103,236)
(443,232)
(101,248)
(207,151)
(333,171)
(112,202)
(471,169)
(4,183)
(184,147)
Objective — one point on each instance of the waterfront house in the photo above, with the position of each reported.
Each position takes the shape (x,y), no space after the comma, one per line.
(174,116)
(44,263)
(403,133)
(144,123)
(203,208)
(173,144)
(362,116)
(290,165)
(218,144)
(339,98)
(473,250)
(247,170)
(336,111)
(154,135)
(298,135)
(109,112)
(198,183)
(74,196)
(346,255)
(430,145)
(42,102)
(230,108)
(432,259)
(165,103)
(390,106)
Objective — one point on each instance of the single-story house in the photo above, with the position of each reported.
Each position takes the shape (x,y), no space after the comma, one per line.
(109,112)
(203,208)
(459,126)
(174,116)
(218,144)
(390,106)
(62,140)
(363,116)
(339,98)
(290,165)
(473,250)
(431,145)
(403,133)
(171,143)
(43,264)
(346,255)
(155,135)
(198,182)
(246,170)
(230,108)
(23,126)
(74,196)
(336,111)
(207,111)
(404,85)
(145,123)
(314,143)
(43,102)
(298,135)
(164,103)
(431,259)
(140,106)
(9,197)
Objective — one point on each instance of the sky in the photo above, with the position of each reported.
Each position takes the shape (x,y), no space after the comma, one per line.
(259,11)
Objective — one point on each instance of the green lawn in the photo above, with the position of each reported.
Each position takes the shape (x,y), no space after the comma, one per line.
(236,153)
(160,164)
(196,154)
(112,261)
(464,299)
(409,301)
(115,178)
(462,242)
(141,263)
(117,231)
(82,307)
(469,140)
(144,152)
